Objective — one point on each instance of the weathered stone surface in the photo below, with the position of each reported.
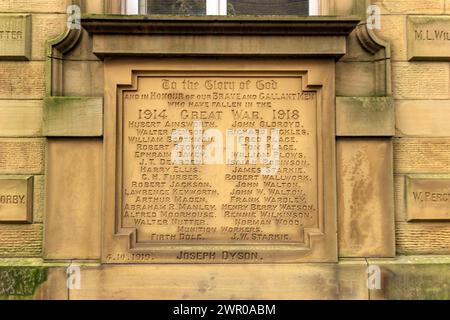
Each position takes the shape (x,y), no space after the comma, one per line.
(413,278)
(83,50)
(346,72)
(355,51)
(364,116)
(38,198)
(399,197)
(425,118)
(20,118)
(22,156)
(424,80)
(422,238)
(410,6)
(15,37)
(32,278)
(73,116)
(22,80)
(427,199)
(55,287)
(20,240)
(393,30)
(302,281)
(428,38)
(45,27)
(422,155)
(73,206)
(32,6)
(20,281)
(83,78)
(365,189)
(16,199)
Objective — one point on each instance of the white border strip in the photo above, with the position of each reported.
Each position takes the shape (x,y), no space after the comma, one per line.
(216,7)
(314,8)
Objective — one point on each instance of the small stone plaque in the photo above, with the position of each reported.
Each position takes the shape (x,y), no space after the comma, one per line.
(15,37)
(16,200)
(428,38)
(427,199)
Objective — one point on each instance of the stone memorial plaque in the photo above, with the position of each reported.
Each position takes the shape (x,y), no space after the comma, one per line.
(428,37)
(15,37)
(219,168)
(427,199)
(16,200)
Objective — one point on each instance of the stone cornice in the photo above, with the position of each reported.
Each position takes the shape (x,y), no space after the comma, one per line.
(215,25)
(287,36)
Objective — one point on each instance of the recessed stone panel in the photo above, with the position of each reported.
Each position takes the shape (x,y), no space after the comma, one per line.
(73,199)
(365,200)
(15,36)
(188,189)
(427,199)
(16,199)
(428,37)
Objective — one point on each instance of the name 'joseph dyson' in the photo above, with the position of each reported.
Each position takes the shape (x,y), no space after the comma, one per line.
(211,255)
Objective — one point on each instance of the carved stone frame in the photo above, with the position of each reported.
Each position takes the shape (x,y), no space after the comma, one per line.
(119,245)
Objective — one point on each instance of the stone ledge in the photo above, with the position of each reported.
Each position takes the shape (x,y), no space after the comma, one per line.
(365,116)
(241,25)
(323,37)
(73,117)
(413,278)
(403,277)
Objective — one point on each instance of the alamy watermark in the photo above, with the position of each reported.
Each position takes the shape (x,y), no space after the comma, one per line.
(238,147)
(374,19)
(73,277)
(73,17)
(374,277)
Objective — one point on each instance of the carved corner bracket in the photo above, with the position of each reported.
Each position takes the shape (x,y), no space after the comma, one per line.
(381,52)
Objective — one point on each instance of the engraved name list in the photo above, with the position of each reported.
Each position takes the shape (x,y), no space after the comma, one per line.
(233,200)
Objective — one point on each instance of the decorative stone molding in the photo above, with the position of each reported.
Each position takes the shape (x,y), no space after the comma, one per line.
(56,49)
(381,55)
(216,36)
